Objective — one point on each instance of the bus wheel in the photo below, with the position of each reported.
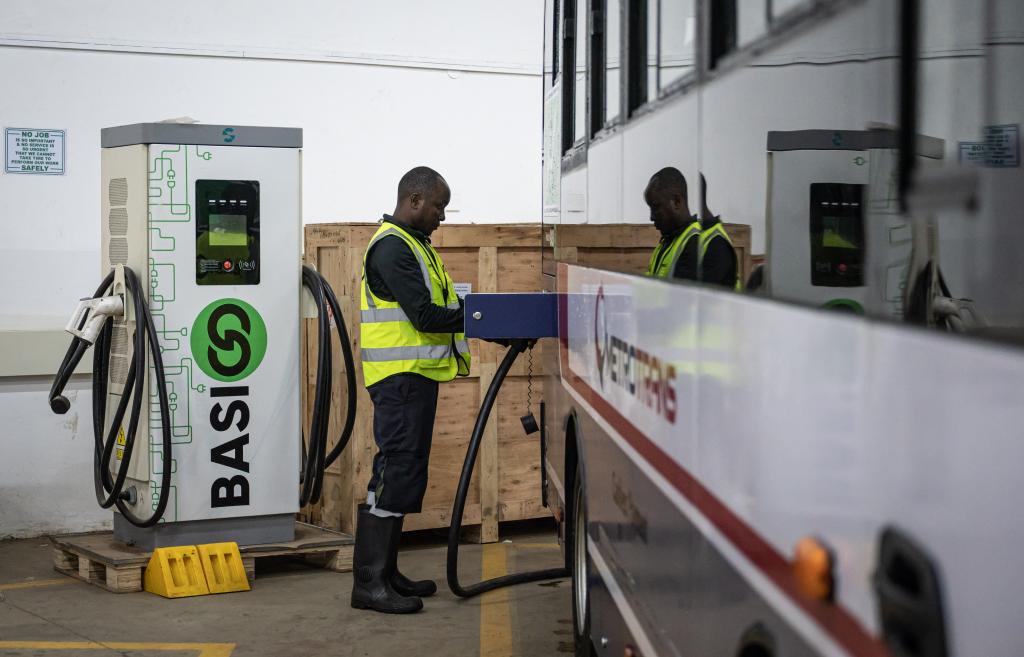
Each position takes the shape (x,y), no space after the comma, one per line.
(580,581)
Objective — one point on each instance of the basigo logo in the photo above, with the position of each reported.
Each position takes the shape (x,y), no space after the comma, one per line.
(229,340)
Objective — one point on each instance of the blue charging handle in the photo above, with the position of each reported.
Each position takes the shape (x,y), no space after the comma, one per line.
(512,315)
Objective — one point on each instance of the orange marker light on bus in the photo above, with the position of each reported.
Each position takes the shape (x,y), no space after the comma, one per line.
(813,567)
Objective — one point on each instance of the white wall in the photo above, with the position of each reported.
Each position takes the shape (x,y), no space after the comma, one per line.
(377,88)
(46,469)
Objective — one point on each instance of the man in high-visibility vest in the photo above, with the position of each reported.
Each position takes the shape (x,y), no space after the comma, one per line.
(676,255)
(716,255)
(411,339)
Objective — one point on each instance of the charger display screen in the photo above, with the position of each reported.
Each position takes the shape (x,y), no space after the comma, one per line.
(228,230)
(837,234)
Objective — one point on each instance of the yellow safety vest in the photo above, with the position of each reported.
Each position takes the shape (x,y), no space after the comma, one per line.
(663,260)
(390,343)
(718,230)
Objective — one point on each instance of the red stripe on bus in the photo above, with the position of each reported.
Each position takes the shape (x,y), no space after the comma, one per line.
(833,619)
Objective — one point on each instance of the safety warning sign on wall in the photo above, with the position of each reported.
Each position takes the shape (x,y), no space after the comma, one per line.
(999,150)
(34,150)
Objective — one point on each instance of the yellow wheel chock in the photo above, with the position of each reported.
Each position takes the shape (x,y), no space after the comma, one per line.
(189,570)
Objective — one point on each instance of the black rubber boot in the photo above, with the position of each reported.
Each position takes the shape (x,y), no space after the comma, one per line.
(399,582)
(375,543)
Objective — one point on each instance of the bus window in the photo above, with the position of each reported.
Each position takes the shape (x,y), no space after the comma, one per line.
(555,20)
(612,60)
(567,49)
(580,78)
(643,52)
(652,49)
(552,43)
(598,66)
(751,20)
(677,41)
(722,32)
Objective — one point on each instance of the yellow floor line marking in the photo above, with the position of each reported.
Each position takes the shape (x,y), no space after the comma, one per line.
(37,583)
(495,621)
(201,649)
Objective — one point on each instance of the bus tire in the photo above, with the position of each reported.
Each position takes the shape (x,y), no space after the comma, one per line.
(580,569)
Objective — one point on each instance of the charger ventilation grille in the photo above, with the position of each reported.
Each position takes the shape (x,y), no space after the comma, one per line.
(120,349)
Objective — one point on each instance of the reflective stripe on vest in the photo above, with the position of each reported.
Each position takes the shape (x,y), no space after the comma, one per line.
(390,344)
(423,352)
(718,230)
(391,314)
(663,260)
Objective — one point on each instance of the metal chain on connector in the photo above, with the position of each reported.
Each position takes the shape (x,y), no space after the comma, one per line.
(529,380)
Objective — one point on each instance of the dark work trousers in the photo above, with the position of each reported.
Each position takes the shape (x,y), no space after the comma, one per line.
(403,426)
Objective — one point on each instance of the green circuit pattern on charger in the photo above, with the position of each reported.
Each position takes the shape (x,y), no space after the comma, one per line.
(164,179)
(169,203)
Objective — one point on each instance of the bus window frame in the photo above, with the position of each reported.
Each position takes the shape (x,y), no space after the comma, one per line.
(568,47)
(603,128)
(556,43)
(690,80)
(635,71)
(600,125)
(596,76)
(574,152)
(780,29)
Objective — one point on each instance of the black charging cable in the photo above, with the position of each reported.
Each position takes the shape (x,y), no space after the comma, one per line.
(111,491)
(315,457)
(516,347)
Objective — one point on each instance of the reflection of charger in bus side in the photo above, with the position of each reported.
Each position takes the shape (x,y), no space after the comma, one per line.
(644,376)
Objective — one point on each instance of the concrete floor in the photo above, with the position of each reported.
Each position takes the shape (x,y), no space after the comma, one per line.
(293,609)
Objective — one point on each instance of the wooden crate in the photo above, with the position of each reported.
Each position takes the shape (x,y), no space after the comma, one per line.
(492,258)
(99,560)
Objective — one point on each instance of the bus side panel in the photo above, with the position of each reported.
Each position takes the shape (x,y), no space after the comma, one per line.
(683,597)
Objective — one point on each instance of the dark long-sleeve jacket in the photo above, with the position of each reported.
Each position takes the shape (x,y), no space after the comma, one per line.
(393,274)
(720,261)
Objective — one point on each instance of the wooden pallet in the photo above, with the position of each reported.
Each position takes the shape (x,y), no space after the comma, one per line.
(100,560)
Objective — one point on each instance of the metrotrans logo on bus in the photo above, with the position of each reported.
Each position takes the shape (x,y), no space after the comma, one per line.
(229,340)
(631,368)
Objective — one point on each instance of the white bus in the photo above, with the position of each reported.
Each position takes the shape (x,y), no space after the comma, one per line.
(828,462)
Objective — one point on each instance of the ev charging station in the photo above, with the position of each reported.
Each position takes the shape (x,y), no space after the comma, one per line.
(196,328)
(822,186)
(201,246)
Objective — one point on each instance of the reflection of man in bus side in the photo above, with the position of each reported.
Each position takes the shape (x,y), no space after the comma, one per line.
(677,252)
(716,255)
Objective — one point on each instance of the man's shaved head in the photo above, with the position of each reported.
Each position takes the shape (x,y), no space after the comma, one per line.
(420,180)
(666,196)
(669,180)
(422,197)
